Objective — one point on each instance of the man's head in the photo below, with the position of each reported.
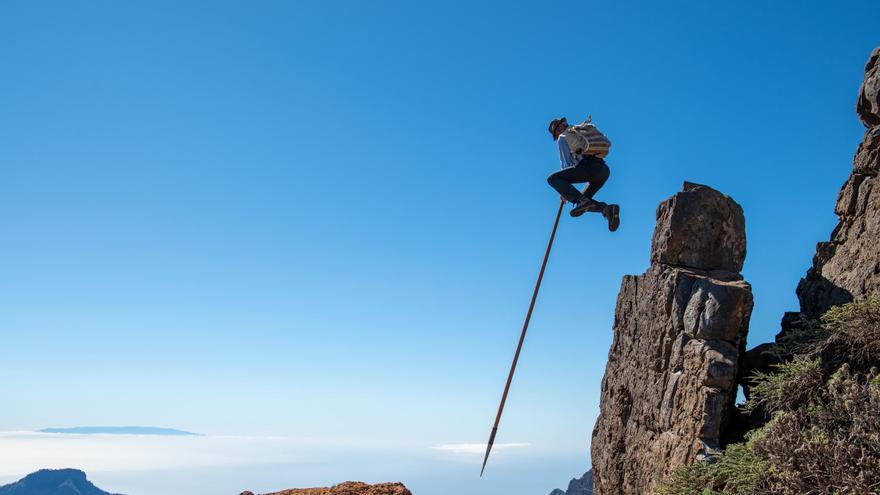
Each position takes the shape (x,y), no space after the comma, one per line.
(557,127)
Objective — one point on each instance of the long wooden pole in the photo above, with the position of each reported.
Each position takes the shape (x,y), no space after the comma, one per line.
(522,337)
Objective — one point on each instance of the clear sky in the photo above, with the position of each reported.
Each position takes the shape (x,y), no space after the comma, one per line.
(324,219)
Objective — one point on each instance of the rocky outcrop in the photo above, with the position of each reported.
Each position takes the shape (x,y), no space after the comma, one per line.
(347,488)
(699,228)
(679,330)
(53,482)
(578,486)
(868,104)
(847,267)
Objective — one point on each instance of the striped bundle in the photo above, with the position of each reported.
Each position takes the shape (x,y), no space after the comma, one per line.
(587,139)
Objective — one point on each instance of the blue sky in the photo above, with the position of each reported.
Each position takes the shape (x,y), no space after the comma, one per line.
(325,220)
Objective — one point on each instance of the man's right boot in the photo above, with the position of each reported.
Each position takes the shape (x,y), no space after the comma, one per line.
(584,205)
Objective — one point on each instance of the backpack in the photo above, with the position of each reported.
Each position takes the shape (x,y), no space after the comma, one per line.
(587,139)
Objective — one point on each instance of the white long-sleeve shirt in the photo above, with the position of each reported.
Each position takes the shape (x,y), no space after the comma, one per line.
(567,158)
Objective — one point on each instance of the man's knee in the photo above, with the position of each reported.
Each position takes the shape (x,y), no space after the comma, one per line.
(605,171)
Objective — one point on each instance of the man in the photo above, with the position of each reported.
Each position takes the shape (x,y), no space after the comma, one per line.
(586,164)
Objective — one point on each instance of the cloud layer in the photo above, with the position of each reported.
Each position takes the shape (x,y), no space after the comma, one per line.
(23,452)
(477,448)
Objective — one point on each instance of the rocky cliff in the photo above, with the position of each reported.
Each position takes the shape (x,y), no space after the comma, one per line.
(347,488)
(814,417)
(578,486)
(679,329)
(846,267)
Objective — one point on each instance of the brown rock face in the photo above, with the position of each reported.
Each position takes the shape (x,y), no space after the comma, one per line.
(349,488)
(848,266)
(868,104)
(678,332)
(700,228)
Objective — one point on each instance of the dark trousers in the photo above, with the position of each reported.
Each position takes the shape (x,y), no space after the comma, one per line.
(590,169)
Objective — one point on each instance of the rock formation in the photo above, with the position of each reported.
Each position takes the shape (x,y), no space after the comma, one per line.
(846,267)
(578,486)
(53,482)
(868,104)
(679,330)
(347,488)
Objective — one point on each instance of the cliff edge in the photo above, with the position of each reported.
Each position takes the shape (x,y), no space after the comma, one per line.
(845,268)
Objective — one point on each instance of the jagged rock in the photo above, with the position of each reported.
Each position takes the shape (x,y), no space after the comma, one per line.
(582,485)
(700,228)
(679,330)
(349,488)
(578,486)
(868,104)
(867,160)
(847,267)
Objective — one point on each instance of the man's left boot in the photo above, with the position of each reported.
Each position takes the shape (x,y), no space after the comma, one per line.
(612,214)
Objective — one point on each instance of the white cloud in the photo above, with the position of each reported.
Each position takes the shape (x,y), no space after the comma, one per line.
(23,452)
(477,448)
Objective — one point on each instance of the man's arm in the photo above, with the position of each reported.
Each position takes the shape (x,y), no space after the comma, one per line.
(565,153)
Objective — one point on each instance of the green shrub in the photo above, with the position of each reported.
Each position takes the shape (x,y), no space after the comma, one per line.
(690,479)
(827,448)
(824,434)
(822,449)
(801,338)
(854,335)
(735,472)
(859,314)
(795,384)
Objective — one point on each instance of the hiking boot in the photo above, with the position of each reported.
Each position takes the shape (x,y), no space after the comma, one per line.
(584,205)
(612,214)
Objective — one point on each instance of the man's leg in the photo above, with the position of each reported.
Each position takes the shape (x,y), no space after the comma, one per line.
(597,172)
(562,181)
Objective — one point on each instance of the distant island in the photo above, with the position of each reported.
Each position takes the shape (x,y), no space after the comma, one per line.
(119,430)
(53,482)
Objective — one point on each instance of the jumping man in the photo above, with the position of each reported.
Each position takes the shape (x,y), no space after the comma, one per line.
(582,149)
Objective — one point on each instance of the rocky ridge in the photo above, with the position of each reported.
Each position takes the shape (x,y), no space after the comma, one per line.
(347,488)
(847,266)
(679,330)
(53,482)
(578,486)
